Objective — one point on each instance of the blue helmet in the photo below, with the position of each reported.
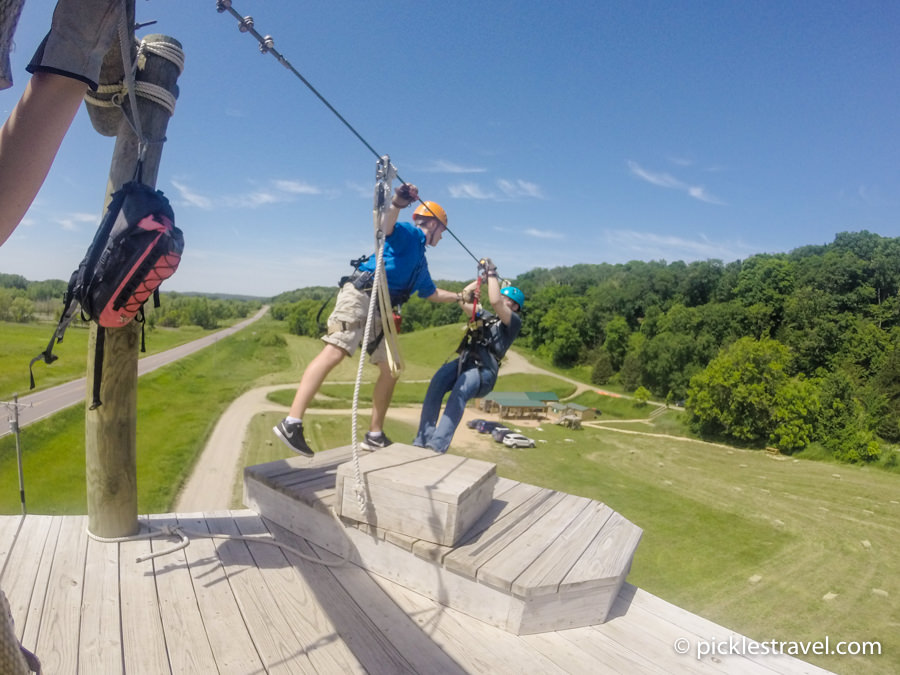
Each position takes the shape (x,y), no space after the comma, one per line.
(515,295)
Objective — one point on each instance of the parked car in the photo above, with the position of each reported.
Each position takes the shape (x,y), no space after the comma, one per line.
(517,441)
(486,427)
(472,424)
(499,432)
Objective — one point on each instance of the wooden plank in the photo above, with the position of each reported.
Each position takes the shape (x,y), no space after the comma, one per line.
(314,633)
(608,556)
(501,570)
(32,628)
(100,642)
(57,642)
(271,471)
(648,633)
(275,641)
(579,650)
(303,520)
(476,647)
(546,573)
(24,568)
(310,491)
(468,558)
(143,638)
(416,471)
(406,636)
(232,647)
(644,604)
(500,510)
(297,479)
(9,526)
(566,609)
(187,642)
(432,551)
(371,647)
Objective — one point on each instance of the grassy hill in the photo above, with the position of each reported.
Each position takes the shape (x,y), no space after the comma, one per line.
(773,547)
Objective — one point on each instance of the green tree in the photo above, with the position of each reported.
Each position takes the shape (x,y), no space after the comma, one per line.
(616,343)
(736,395)
(641,395)
(602,370)
(794,415)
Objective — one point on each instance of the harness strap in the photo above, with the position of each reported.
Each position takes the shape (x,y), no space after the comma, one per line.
(98,366)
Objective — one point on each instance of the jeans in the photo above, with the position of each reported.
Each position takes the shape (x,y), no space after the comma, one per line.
(462,387)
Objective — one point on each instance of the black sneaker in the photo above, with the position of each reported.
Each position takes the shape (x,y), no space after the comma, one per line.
(373,442)
(291,434)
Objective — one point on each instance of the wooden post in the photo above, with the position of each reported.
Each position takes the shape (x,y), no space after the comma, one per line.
(111,429)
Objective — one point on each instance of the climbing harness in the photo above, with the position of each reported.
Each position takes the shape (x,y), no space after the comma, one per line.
(267,46)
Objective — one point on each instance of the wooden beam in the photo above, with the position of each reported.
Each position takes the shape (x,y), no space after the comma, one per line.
(111,429)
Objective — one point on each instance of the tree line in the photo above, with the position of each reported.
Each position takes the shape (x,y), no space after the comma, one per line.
(784,350)
(24,301)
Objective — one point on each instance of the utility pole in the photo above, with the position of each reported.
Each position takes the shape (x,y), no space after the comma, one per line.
(13,407)
(111,429)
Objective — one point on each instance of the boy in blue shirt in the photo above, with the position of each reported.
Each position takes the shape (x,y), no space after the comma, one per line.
(407,272)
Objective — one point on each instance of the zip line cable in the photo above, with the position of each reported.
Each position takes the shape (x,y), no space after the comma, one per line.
(267,46)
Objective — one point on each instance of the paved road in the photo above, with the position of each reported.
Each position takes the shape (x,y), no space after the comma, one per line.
(42,404)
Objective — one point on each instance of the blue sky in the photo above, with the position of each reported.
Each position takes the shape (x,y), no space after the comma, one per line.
(553,133)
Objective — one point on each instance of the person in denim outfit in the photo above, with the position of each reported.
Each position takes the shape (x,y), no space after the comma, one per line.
(473,373)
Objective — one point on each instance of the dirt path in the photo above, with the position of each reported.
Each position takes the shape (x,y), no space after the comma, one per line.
(211,482)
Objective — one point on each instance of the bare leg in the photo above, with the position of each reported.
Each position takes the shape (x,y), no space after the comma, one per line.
(30,139)
(314,376)
(381,397)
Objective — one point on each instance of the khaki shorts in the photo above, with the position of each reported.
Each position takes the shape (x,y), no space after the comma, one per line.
(81,33)
(347,323)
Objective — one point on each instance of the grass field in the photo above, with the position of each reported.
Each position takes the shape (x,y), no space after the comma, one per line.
(771,547)
(23,341)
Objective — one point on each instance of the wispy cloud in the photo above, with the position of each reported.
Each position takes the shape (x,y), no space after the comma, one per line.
(506,190)
(470,191)
(443,166)
(650,246)
(667,180)
(279,191)
(542,234)
(296,187)
(75,221)
(190,197)
(520,188)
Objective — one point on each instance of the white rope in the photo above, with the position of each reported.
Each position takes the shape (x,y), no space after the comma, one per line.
(384,177)
(112,95)
(149,531)
(117,92)
(171,52)
(159,95)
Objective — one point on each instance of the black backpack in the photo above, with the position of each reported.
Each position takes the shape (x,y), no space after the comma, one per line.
(135,249)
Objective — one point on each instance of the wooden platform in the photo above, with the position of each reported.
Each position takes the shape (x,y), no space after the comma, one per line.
(536,560)
(247,608)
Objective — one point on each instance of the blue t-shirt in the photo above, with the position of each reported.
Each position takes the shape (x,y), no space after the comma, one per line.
(404,262)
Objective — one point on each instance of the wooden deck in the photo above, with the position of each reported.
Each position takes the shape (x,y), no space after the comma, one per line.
(234,606)
(532,560)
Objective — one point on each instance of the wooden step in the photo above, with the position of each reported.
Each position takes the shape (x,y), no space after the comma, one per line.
(536,559)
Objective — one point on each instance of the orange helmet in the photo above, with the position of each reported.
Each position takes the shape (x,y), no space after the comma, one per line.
(431,210)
